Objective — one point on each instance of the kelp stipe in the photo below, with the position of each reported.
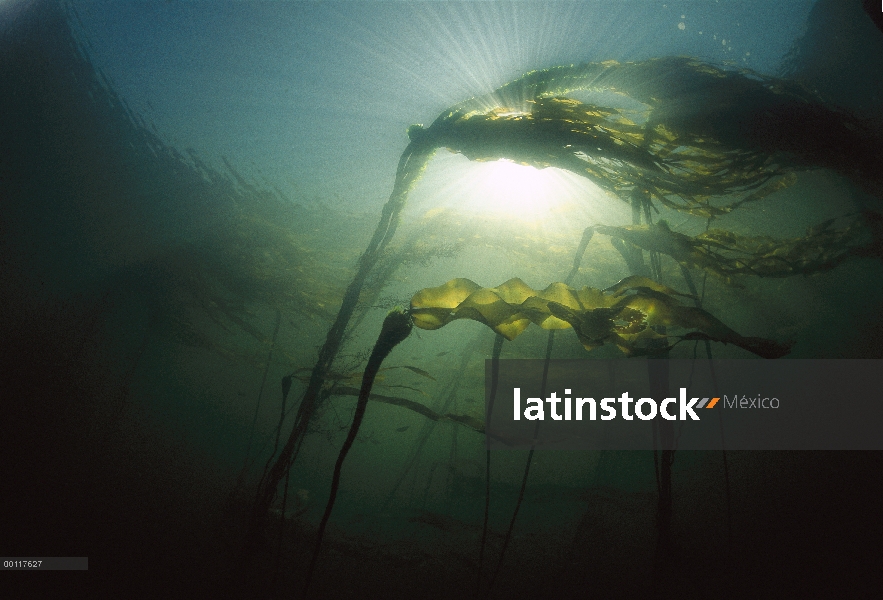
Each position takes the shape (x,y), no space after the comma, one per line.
(396,328)
(448,394)
(495,372)
(527,464)
(577,260)
(410,168)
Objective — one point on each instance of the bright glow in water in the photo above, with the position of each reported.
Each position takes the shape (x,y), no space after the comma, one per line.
(550,199)
(507,187)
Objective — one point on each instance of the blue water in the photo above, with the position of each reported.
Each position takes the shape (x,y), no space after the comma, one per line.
(301,90)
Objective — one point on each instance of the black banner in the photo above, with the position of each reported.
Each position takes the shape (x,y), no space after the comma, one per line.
(624,404)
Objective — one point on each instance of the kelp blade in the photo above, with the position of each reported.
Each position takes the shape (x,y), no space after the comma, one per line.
(628,317)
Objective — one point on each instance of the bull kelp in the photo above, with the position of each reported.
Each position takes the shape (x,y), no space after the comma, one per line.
(699,139)
(627,315)
(163,306)
(727,254)
(703,132)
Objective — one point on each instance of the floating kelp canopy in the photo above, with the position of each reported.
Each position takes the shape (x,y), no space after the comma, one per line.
(704,131)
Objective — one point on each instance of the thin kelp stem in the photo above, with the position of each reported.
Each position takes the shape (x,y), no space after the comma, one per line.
(257,408)
(692,287)
(580,251)
(286,387)
(536,433)
(406,176)
(396,328)
(451,474)
(410,168)
(658,373)
(495,376)
(663,431)
(434,416)
(281,536)
(577,259)
(720,422)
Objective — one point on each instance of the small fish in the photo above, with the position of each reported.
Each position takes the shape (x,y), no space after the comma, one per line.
(441,354)
(401,429)
(417,370)
(420,372)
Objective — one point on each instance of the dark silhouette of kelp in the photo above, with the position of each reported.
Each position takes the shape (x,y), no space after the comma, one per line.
(396,327)
(727,254)
(706,131)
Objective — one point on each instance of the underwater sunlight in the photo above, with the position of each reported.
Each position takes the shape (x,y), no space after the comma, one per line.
(522,191)
(259,328)
(514,195)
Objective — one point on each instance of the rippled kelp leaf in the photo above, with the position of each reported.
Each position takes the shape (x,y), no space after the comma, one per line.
(630,316)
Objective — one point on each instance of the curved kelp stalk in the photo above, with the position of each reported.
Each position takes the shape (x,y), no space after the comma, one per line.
(410,168)
(527,464)
(396,327)
(624,314)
